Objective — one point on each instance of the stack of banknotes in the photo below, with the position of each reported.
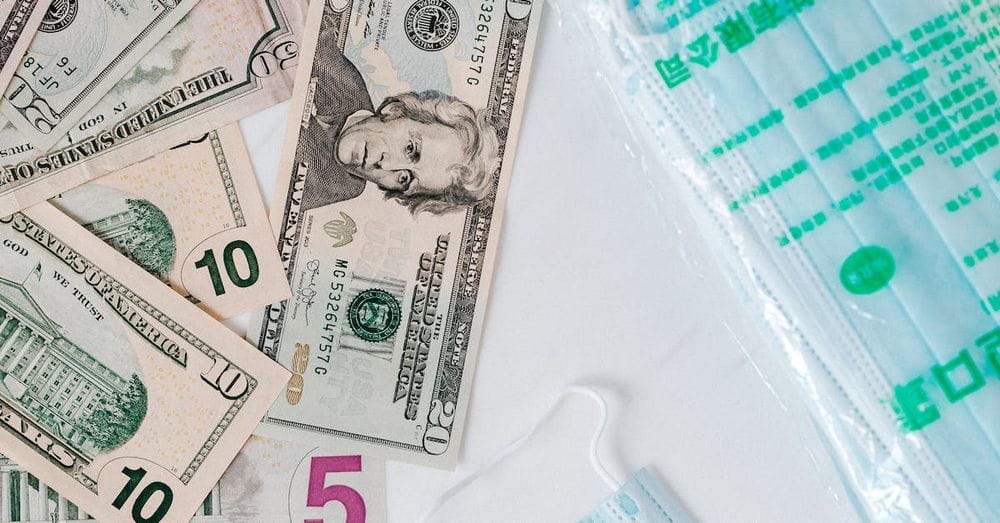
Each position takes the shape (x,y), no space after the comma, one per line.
(131,225)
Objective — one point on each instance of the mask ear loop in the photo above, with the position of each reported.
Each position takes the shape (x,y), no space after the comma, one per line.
(595,440)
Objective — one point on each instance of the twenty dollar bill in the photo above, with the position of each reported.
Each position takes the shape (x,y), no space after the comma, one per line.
(20,19)
(82,50)
(193,217)
(115,392)
(224,61)
(397,159)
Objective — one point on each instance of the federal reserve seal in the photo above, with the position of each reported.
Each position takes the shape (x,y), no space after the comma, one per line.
(374,315)
(60,14)
(431,25)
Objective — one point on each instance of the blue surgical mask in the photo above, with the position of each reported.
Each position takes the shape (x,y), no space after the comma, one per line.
(843,156)
(642,499)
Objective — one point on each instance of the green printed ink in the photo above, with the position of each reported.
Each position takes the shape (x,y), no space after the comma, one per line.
(770,119)
(734,33)
(374,315)
(704,51)
(969,372)
(769,185)
(913,406)
(867,270)
(851,71)
(860,142)
(991,303)
(673,12)
(958,378)
(970,196)
(797,232)
(982,254)
(990,343)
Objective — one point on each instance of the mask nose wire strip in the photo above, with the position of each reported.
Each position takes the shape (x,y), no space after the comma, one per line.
(512,447)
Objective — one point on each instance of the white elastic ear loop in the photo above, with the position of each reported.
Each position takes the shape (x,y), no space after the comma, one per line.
(513,446)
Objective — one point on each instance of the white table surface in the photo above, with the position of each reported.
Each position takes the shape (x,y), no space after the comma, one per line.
(595,285)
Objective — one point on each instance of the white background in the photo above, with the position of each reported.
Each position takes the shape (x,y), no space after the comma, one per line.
(602,280)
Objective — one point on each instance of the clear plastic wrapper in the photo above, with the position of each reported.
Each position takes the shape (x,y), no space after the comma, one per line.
(843,159)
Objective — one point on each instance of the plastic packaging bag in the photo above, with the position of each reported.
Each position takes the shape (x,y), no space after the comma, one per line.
(843,158)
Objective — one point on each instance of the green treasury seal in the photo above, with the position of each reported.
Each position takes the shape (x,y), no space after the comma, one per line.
(374,315)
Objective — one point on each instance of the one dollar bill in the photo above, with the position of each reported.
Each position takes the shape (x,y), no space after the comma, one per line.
(84,48)
(224,61)
(269,481)
(397,159)
(19,20)
(116,393)
(194,218)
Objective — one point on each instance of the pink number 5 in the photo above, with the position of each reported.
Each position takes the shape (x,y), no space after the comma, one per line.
(320,494)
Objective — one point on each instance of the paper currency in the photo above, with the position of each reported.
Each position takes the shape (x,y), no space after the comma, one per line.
(269,481)
(193,217)
(390,196)
(20,19)
(115,392)
(81,50)
(224,61)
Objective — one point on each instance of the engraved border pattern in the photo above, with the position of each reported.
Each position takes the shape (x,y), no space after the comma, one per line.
(227,179)
(187,336)
(8,44)
(246,87)
(458,309)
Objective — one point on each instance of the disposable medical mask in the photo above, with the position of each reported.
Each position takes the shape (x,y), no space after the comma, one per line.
(844,156)
(641,499)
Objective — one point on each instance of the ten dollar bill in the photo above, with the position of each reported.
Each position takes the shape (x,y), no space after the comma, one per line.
(193,217)
(123,397)
(84,48)
(224,61)
(269,481)
(20,20)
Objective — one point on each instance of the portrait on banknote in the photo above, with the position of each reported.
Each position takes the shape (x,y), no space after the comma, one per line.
(428,151)
(398,152)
